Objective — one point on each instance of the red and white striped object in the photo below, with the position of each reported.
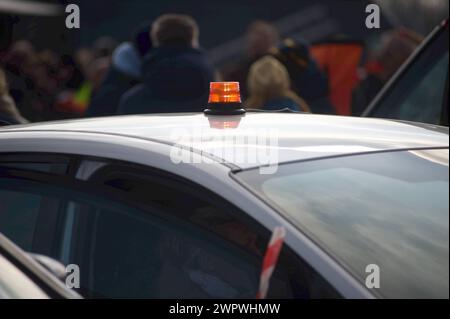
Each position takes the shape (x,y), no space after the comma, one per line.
(270,260)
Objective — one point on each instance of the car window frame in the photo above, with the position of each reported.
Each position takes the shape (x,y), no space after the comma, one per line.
(117,168)
(444,113)
(396,79)
(71,161)
(84,186)
(45,228)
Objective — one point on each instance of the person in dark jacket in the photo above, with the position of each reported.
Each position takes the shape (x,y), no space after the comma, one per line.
(307,79)
(176,74)
(124,73)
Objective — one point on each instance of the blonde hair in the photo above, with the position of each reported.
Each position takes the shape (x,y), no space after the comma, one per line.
(269,79)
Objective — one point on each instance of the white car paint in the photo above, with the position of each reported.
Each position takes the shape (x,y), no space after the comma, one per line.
(147,140)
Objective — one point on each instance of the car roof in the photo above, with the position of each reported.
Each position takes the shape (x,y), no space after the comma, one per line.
(291,136)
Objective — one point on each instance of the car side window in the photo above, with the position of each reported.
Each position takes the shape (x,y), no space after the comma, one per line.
(188,244)
(18,216)
(140,256)
(419,94)
(141,234)
(24,215)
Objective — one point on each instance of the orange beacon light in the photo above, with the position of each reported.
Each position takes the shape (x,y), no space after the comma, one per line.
(224,99)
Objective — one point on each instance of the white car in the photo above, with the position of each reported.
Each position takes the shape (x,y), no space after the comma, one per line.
(29,276)
(419,89)
(184,205)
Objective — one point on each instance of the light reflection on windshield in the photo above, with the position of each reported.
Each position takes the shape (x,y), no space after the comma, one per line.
(389,209)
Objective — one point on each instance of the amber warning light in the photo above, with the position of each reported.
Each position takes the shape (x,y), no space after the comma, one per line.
(224,99)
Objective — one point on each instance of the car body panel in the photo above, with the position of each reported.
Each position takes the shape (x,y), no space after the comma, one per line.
(214,176)
(291,136)
(149,141)
(15,285)
(22,276)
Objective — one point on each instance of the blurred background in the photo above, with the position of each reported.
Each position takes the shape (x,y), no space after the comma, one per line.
(54,72)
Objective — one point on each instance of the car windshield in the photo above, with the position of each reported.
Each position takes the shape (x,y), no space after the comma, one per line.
(390,209)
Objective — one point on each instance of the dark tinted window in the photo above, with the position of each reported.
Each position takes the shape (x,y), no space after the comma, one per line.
(419,93)
(182,246)
(389,209)
(19,210)
(18,216)
(36,162)
(141,256)
(148,237)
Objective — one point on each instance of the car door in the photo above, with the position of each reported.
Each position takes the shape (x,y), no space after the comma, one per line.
(419,90)
(26,216)
(138,232)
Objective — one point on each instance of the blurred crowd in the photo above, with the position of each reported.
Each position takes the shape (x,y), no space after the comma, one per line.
(47,86)
(162,68)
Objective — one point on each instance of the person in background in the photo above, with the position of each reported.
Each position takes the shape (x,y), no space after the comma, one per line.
(104,46)
(124,73)
(176,73)
(83,57)
(306,77)
(260,38)
(269,87)
(17,62)
(9,114)
(45,85)
(93,64)
(69,74)
(396,47)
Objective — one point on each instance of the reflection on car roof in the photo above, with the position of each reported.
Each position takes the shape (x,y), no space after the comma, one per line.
(294,136)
